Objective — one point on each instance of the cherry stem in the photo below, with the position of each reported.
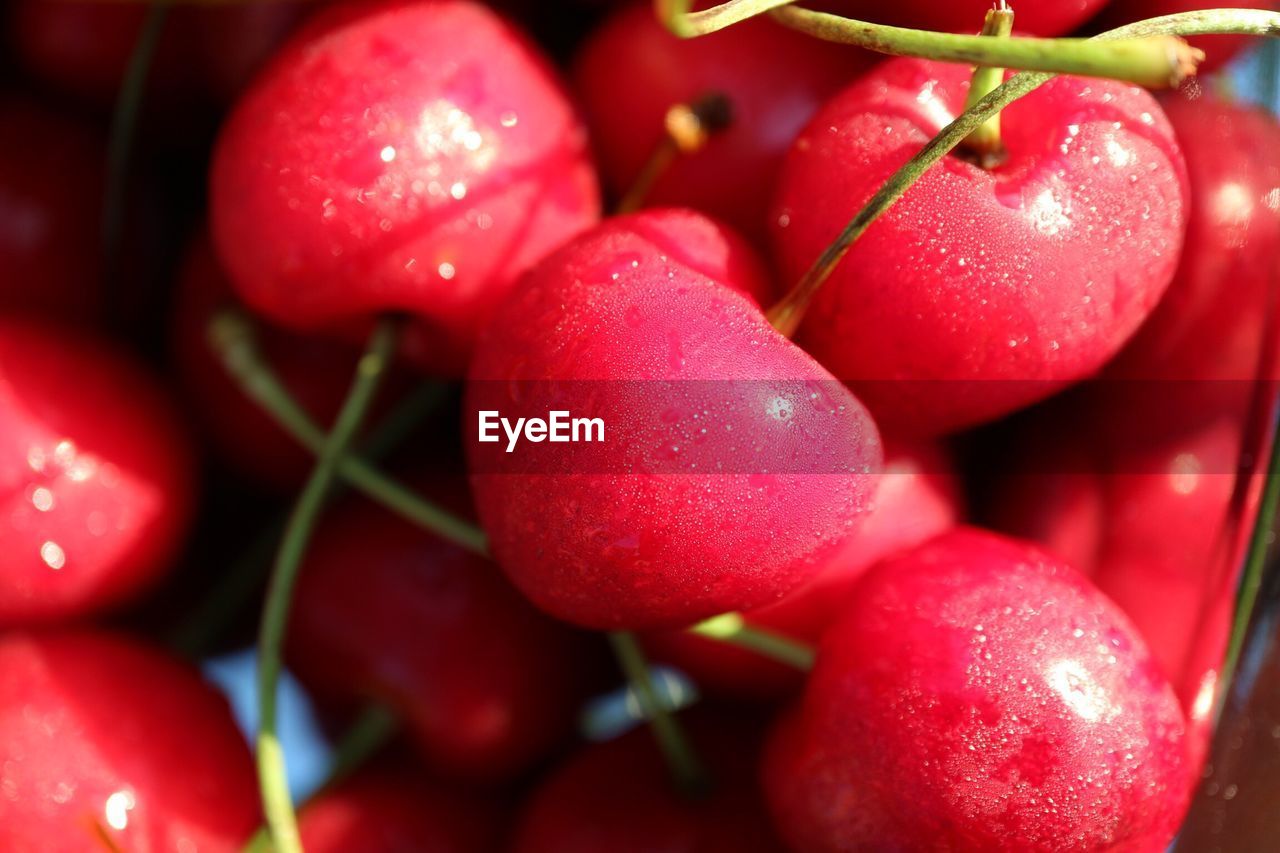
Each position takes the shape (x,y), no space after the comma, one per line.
(985,141)
(788,313)
(1260,544)
(686,128)
(232,337)
(1156,61)
(371,731)
(676,17)
(733,628)
(238,583)
(687,771)
(276,800)
(124,125)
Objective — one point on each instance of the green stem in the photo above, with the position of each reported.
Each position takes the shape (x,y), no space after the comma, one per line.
(277,803)
(124,124)
(369,733)
(689,775)
(675,15)
(231,335)
(1251,580)
(787,314)
(1158,61)
(985,141)
(237,585)
(733,628)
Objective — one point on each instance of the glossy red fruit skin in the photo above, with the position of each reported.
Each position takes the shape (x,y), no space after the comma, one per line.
(1172,518)
(917,497)
(1218,50)
(484,683)
(316,371)
(83,47)
(618,796)
(389,810)
(639,321)
(1233,234)
(980,695)
(50,182)
(1033,17)
(89,715)
(981,291)
(400,156)
(97,476)
(631,71)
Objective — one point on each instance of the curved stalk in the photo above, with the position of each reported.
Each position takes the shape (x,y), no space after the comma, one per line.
(276,800)
(787,314)
(1156,61)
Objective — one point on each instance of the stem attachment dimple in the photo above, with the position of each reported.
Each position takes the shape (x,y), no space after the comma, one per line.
(984,143)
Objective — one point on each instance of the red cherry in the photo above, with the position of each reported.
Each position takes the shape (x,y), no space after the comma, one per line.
(631,71)
(732,465)
(50,186)
(316,371)
(390,810)
(109,743)
(1212,321)
(618,796)
(484,683)
(1218,49)
(917,497)
(84,47)
(96,475)
(980,695)
(1155,447)
(402,156)
(982,290)
(1033,17)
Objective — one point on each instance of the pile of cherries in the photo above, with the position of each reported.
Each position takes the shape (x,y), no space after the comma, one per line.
(952,568)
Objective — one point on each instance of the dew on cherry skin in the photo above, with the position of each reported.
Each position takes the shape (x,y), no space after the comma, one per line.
(97,495)
(1048,194)
(429,176)
(577,325)
(1063,721)
(102,730)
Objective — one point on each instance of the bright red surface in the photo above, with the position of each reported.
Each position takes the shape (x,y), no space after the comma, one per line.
(981,290)
(641,531)
(399,156)
(105,737)
(917,497)
(96,474)
(980,695)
